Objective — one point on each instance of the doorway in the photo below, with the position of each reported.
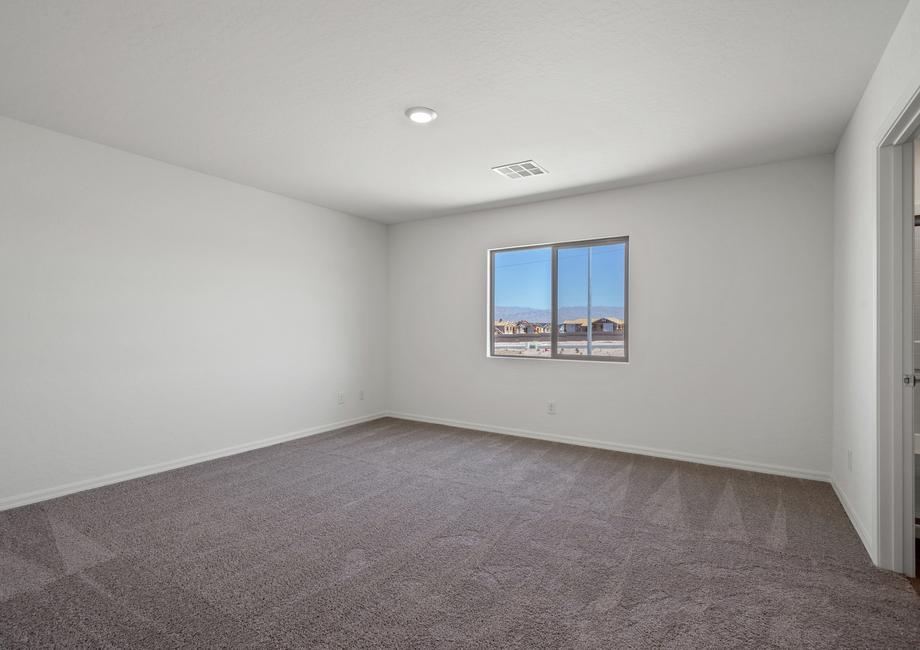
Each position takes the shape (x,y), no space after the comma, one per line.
(897,379)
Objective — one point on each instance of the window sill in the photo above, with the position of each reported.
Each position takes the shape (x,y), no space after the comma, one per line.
(616,362)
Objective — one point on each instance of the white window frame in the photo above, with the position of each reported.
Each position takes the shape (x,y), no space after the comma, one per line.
(554,325)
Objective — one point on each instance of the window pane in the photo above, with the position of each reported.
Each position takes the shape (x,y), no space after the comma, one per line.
(598,273)
(522,299)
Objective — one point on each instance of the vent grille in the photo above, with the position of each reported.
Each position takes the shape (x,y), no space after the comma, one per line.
(520,169)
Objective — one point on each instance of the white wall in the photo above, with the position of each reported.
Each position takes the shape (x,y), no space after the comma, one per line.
(855,420)
(730,320)
(149,313)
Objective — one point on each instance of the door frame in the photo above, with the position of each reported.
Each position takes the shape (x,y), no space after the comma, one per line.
(895,323)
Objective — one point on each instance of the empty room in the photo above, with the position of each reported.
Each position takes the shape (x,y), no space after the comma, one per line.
(436,324)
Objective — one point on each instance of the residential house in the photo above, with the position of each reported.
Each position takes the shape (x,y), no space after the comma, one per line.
(526,327)
(506,327)
(607,324)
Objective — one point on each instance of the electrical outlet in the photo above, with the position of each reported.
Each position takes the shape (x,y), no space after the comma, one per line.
(361,395)
(551,408)
(850,459)
(341,398)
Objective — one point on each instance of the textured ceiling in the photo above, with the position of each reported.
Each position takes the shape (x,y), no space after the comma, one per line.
(306,98)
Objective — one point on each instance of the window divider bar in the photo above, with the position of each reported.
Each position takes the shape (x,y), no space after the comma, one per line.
(553,315)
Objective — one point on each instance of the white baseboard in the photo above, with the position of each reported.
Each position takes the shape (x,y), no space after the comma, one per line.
(858,525)
(719,461)
(116,477)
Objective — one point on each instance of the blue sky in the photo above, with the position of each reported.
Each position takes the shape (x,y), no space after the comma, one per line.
(523,277)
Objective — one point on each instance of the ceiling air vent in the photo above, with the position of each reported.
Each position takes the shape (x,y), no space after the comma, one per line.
(520,169)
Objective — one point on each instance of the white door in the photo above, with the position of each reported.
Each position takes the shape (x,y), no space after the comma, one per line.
(914,368)
(911,357)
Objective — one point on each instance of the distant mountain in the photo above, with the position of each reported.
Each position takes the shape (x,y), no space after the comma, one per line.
(544,316)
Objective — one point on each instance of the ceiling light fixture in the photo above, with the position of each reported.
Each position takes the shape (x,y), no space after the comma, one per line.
(421,114)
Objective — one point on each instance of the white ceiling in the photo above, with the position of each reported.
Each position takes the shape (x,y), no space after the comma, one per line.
(306,98)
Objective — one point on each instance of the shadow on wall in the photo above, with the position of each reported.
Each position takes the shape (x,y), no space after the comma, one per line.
(917,176)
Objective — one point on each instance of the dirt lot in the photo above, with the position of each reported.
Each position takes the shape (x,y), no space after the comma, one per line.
(605,345)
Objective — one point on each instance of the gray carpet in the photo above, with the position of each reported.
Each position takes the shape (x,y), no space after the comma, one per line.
(397,534)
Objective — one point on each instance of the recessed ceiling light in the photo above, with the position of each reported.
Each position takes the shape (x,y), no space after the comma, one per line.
(421,114)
